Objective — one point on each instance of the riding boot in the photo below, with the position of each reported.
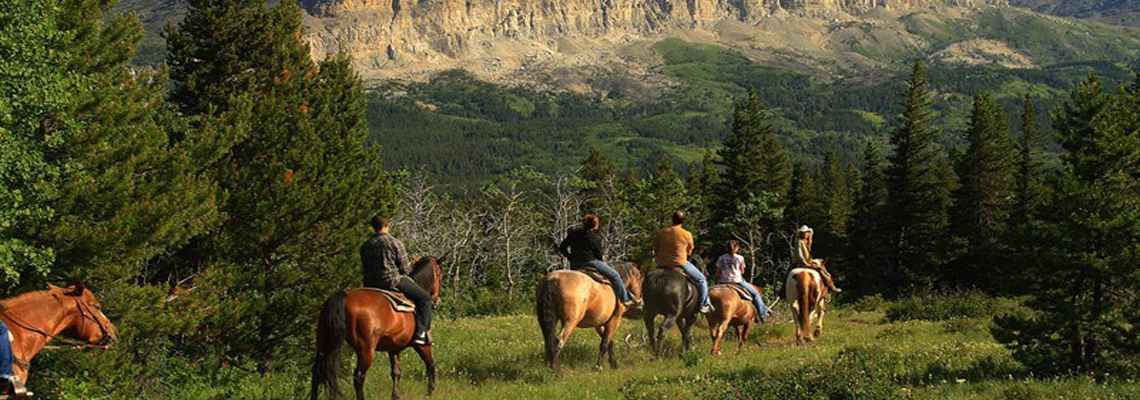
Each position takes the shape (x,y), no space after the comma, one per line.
(828,281)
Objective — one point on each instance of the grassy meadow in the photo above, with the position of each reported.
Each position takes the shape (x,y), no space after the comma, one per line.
(860,356)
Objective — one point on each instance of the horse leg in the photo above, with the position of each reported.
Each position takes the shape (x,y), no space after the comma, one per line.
(743,333)
(394,359)
(610,330)
(662,330)
(651,332)
(819,321)
(687,332)
(364,357)
(563,337)
(429,365)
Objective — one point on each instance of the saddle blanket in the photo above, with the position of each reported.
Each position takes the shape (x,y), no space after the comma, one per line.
(739,290)
(595,275)
(399,302)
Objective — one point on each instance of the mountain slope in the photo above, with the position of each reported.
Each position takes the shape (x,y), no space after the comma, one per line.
(1119,12)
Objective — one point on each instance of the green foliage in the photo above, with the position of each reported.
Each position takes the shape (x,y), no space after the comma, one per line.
(942,306)
(1082,256)
(918,208)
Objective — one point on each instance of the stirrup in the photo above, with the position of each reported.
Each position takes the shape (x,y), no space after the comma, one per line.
(18,390)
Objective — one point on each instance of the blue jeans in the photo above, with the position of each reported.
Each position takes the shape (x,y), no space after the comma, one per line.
(6,357)
(702,283)
(756,301)
(615,279)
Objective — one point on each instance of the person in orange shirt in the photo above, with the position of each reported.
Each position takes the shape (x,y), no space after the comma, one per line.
(672,247)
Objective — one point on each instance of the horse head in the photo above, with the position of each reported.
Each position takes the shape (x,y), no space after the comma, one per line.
(428,273)
(88,322)
(633,278)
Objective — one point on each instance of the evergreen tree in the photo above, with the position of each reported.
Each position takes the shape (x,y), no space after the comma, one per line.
(870,237)
(601,175)
(653,201)
(752,160)
(1085,251)
(986,198)
(918,209)
(299,185)
(838,203)
(1031,187)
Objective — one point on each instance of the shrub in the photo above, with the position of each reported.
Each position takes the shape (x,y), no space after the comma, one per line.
(942,306)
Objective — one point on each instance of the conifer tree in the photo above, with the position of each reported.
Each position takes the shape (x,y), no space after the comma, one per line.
(653,200)
(752,160)
(918,206)
(601,175)
(1085,253)
(986,198)
(1031,187)
(870,236)
(299,185)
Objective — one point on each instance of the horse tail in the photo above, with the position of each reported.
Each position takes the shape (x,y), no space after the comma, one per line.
(804,283)
(331,333)
(547,317)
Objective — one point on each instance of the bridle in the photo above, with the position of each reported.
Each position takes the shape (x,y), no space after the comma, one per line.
(84,314)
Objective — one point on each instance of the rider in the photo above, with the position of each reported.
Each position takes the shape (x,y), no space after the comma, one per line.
(8,379)
(806,237)
(731,267)
(672,247)
(386,267)
(583,247)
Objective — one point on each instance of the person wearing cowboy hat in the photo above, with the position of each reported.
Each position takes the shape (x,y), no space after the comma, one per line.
(802,258)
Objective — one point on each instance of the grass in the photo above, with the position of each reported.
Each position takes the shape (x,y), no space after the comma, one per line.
(859,356)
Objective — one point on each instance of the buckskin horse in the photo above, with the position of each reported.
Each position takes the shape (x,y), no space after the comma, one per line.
(729,309)
(368,322)
(805,293)
(37,318)
(577,300)
(670,293)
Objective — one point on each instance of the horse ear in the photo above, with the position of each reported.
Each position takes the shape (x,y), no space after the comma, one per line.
(441,260)
(78,288)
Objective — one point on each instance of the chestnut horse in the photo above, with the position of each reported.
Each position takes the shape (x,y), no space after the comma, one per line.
(805,292)
(34,319)
(578,301)
(366,320)
(729,309)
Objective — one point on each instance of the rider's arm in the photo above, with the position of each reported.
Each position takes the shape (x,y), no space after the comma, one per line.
(402,259)
(564,247)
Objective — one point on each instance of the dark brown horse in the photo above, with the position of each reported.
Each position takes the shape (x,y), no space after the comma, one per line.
(364,319)
(669,293)
(37,318)
(576,300)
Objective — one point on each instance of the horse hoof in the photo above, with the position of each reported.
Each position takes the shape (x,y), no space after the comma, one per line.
(598,367)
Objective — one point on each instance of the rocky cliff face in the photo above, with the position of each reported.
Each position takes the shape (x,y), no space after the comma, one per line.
(390,38)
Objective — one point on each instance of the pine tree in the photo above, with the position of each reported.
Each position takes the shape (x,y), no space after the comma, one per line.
(986,198)
(870,236)
(918,210)
(653,201)
(301,182)
(752,160)
(601,175)
(1085,252)
(1031,187)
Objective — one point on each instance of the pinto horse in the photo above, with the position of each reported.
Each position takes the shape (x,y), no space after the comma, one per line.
(805,292)
(578,301)
(729,309)
(365,320)
(35,319)
(670,293)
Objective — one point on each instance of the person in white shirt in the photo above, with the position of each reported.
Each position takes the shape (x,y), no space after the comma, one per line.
(730,269)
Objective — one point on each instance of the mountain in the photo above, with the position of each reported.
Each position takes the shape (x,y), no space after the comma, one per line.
(1119,12)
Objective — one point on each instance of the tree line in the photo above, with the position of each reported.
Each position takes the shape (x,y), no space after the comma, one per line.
(215,201)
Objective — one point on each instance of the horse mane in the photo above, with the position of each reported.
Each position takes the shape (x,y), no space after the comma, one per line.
(423,273)
(23,298)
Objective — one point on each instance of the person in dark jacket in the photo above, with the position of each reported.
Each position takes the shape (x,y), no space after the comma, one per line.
(583,247)
(385,266)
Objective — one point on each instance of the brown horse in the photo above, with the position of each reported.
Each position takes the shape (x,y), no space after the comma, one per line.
(578,301)
(729,309)
(805,293)
(35,319)
(364,319)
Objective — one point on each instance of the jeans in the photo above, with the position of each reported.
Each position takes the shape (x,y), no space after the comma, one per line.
(6,357)
(620,290)
(756,301)
(702,283)
(421,298)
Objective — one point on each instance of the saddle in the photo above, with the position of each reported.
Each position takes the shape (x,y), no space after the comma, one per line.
(594,274)
(681,271)
(744,295)
(400,303)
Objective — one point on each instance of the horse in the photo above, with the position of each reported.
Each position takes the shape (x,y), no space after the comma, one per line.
(729,309)
(805,293)
(578,301)
(669,292)
(366,320)
(37,318)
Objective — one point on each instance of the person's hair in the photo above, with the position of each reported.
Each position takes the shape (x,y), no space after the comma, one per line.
(380,222)
(590,221)
(731,244)
(678,217)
